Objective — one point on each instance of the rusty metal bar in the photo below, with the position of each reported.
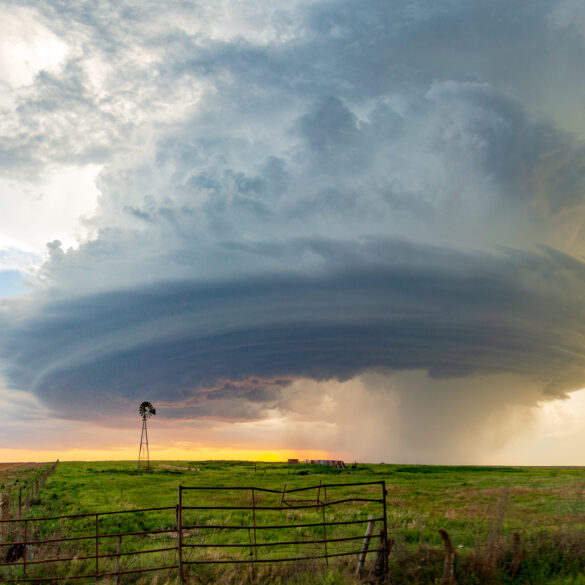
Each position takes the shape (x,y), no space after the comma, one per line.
(72,577)
(91,515)
(259,489)
(277,526)
(277,560)
(92,537)
(88,557)
(139,533)
(274,543)
(293,507)
(149,570)
(279,509)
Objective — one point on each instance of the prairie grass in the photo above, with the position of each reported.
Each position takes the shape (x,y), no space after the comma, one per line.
(480,507)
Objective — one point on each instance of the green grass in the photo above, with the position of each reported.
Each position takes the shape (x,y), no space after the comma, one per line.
(480,507)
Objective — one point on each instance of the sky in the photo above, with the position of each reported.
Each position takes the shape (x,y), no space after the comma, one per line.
(310,228)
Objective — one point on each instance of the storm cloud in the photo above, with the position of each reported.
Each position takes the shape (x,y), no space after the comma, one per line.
(271,194)
(452,314)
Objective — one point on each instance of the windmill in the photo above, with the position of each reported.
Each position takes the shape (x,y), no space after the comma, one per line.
(146,410)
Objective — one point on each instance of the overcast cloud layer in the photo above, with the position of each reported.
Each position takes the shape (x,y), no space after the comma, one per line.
(216,201)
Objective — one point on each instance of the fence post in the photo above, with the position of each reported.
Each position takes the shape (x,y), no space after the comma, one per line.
(180,535)
(324,532)
(24,550)
(385,528)
(518,555)
(365,546)
(381,557)
(449,564)
(118,551)
(252,580)
(19,502)
(254,521)
(97,548)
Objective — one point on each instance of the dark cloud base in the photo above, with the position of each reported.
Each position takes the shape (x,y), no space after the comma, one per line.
(470,313)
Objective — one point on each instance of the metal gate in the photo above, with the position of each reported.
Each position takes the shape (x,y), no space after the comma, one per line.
(238,525)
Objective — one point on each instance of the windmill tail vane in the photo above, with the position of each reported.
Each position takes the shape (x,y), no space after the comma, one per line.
(145,410)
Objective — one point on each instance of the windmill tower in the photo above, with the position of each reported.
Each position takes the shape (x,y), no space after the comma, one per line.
(146,410)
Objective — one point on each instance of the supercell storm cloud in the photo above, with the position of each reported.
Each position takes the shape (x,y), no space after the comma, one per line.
(269,193)
(450,313)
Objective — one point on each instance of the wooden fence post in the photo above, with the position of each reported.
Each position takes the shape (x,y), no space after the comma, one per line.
(518,555)
(365,546)
(449,565)
(379,571)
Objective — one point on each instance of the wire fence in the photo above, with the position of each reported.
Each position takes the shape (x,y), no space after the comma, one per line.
(18,497)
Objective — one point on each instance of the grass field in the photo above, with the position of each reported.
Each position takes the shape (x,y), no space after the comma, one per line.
(480,507)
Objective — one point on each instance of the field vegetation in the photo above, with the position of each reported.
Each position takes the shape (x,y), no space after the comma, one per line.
(507,524)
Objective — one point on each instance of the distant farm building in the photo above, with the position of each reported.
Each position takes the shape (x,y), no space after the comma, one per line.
(293,461)
(330,462)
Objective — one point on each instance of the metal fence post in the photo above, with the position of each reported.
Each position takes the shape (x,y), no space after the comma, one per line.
(254,520)
(118,551)
(97,548)
(24,551)
(385,535)
(180,535)
(324,533)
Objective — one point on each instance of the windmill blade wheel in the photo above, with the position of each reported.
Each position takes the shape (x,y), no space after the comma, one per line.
(146,410)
